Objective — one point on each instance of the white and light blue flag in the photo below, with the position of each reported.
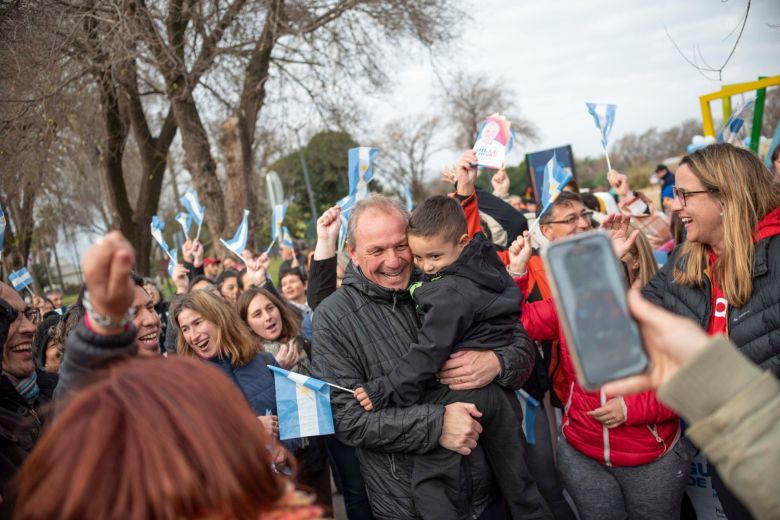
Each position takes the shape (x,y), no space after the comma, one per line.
(237,244)
(157,232)
(185,221)
(360,171)
(20,279)
(287,240)
(3,223)
(172,261)
(555,179)
(277,217)
(346,204)
(302,404)
(731,130)
(604,116)
(408,197)
(191,203)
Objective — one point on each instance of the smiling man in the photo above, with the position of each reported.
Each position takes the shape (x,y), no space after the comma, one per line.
(146,320)
(360,333)
(23,388)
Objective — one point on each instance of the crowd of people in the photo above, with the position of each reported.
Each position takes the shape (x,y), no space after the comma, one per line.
(125,405)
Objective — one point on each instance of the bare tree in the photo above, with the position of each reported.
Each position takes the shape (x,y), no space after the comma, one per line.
(472,98)
(407,146)
(306,51)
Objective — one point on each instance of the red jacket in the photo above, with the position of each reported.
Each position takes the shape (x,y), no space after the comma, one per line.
(650,429)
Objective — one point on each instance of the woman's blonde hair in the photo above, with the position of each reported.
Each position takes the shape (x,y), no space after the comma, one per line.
(236,341)
(643,252)
(747,193)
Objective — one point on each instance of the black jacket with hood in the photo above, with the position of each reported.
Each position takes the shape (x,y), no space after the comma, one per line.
(360,333)
(470,304)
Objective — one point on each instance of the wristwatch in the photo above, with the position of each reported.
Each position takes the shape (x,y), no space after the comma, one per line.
(106,321)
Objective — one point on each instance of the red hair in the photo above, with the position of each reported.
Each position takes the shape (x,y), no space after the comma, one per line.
(155,438)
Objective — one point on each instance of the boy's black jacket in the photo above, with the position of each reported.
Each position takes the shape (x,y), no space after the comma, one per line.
(471,304)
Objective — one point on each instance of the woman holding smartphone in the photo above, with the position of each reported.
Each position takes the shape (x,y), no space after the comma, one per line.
(726,276)
(613,447)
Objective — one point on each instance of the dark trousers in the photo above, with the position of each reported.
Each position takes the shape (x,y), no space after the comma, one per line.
(346,469)
(436,477)
(541,463)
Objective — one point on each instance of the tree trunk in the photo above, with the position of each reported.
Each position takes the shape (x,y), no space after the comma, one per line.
(200,161)
(235,188)
(252,99)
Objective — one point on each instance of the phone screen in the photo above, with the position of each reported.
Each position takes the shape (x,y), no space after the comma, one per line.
(592,296)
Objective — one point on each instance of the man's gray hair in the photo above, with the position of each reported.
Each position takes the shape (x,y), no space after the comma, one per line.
(377,201)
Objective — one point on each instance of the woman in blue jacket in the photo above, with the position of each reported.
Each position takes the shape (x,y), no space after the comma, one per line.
(210,329)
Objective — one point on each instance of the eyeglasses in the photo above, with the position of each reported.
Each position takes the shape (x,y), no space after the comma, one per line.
(572,220)
(682,195)
(32,314)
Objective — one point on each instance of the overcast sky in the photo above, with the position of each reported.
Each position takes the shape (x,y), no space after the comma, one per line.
(558,54)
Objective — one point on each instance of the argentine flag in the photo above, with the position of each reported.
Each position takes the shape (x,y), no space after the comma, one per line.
(287,240)
(157,229)
(191,203)
(237,244)
(730,131)
(20,279)
(408,197)
(277,217)
(346,204)
(555,179)
(303,405)
(360,172)
(604,115)
(3,222)
(185,221)
(172,261)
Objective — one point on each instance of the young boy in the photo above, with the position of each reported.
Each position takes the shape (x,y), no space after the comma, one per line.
(467,301)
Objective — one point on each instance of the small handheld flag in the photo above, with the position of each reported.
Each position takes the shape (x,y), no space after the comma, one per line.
(346,204)
(604,116)
(730,131)
(555,179)
(303,405)
(237,244)
(172,261)
(3,223)
(157,228)
(191,203)
(185,221)
(408,197)
(287,240)
(277,217)
(21,279)
(360,171)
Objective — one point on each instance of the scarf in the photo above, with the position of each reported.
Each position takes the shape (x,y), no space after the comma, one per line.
(26,387)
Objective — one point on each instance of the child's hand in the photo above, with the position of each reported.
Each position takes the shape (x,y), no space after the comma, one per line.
(363,399)
(520,252)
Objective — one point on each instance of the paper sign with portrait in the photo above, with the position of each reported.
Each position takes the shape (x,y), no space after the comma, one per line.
(492,142)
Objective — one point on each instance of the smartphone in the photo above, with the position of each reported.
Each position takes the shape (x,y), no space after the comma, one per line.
(638,207)
(589,288)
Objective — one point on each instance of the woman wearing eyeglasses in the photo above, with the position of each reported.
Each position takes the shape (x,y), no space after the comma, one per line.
(726,276)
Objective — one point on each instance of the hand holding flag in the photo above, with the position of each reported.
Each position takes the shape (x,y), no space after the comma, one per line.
(303,404)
